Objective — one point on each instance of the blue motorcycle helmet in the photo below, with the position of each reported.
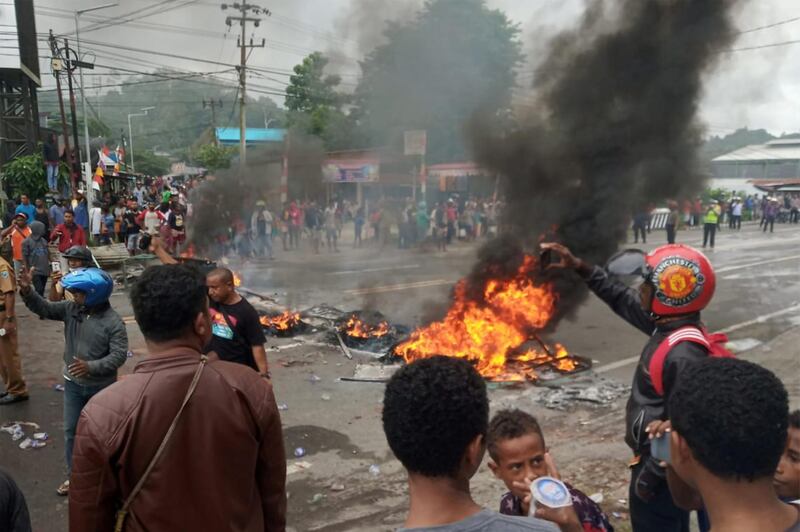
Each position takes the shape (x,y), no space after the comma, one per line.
(94,282)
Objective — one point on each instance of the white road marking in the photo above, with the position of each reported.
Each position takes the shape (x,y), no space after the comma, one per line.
(373,270)
(759,319)
(396,287)
(726,269)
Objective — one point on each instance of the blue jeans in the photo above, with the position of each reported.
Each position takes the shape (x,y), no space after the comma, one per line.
(75,398)
(52,176)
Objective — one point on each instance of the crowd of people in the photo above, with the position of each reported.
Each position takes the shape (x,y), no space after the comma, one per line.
(200,409)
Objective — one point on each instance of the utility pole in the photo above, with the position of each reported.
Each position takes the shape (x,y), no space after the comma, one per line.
(213,105)
(70,67)
(244,9)
(57,66)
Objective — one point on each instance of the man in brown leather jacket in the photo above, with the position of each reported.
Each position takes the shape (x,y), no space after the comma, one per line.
(223,467)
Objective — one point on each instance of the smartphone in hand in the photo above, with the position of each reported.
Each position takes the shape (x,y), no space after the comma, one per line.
(659,447)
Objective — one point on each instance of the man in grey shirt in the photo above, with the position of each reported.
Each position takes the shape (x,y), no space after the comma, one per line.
(435,416)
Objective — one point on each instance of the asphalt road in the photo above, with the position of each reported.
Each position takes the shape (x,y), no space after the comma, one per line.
(757,300)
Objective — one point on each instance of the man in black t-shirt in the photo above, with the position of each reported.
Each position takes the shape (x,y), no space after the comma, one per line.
(131,227)
(236,332)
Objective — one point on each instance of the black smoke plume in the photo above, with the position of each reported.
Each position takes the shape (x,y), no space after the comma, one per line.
(614,128)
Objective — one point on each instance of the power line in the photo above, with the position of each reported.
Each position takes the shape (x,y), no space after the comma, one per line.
(774,24)
(771,45)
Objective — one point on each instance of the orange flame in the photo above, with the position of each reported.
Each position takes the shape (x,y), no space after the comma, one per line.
(188,253)
(358,328)
(237,281)
(490,334)
(281,322)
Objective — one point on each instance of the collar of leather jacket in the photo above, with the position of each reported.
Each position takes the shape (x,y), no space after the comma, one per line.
(173,358)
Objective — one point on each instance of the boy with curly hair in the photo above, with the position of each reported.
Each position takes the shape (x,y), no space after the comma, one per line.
(519,456)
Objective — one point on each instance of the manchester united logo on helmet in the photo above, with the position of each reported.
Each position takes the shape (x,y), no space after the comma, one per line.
(678,281)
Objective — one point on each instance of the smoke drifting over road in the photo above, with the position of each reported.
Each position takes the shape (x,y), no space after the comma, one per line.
(613,126)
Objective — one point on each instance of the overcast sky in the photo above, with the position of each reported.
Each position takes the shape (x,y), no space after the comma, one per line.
(754,88)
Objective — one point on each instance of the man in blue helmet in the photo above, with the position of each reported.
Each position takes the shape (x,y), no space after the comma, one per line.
(96,343)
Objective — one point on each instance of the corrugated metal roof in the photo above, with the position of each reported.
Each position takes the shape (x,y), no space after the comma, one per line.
(230,135)
(775,150)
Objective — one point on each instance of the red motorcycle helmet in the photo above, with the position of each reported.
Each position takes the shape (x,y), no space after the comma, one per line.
(683,279)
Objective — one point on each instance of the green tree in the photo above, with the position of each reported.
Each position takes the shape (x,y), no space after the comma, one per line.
(149,163)
(314,105)
(214,157)
(434,72)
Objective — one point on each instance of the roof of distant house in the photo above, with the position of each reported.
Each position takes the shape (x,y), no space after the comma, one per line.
(230,135)
(774,150)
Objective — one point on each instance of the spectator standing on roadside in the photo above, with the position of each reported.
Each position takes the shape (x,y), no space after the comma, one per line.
(56,212)
(18,232)
(139,193)
(120,228)
(451,212)
(314,225)
(81,210)
(15,389)
(229,435)
(261,227)
(41,215)
(358,222)
(736,214)
(36,255)
(68,234)
(727,430)
(440,226)
(710,223)
(177,226)
(435,417)
(423,221)
(132,228)
(51,161)
(95,342)
(95,223)
(295,225)
(672,221)
(26,207)
(640,221)
(236,333)
(770,213)
(331,228)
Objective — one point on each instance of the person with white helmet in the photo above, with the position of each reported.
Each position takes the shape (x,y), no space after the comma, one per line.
(96,342)
(675,282)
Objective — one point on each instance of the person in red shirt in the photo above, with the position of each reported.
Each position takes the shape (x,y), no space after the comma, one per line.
(69,233)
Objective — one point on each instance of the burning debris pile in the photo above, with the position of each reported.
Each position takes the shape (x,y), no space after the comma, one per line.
(284,324)
(369,331)
(497,328)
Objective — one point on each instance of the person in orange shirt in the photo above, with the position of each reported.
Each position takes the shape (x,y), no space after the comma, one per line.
(18,232)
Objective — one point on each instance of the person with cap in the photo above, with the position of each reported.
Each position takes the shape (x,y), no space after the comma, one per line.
(25,206)
(676,282)
(18,232)
(76,258)
(10,363)
(96,342)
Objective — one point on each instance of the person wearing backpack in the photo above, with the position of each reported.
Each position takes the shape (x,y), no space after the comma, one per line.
(675,282)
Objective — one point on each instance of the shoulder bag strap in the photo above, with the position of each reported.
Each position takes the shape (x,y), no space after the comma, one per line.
(123,512)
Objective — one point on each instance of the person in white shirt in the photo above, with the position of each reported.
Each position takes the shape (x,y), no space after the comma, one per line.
(95,222)
(261,228)
(736,214)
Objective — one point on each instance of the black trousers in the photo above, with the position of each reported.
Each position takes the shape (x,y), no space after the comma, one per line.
(709,231)
(39,282)
(637,230)
(658,515)
(670,234)
(736,222)
(771,222)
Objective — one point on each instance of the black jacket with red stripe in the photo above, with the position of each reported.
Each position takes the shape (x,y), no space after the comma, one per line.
(644,403)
